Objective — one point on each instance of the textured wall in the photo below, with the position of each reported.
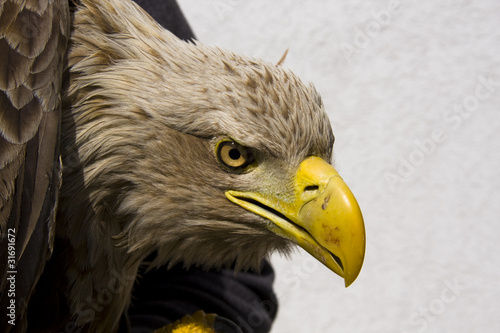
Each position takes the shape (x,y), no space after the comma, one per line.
(413,91)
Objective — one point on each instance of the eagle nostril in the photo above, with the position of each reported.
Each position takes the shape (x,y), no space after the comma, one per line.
(310,192)
(311,188)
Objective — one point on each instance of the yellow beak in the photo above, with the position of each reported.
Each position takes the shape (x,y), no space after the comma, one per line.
(323,217)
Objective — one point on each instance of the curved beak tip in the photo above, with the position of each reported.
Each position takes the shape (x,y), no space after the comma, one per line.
(335,221)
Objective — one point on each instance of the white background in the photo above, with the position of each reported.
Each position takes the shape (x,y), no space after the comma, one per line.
(416,140)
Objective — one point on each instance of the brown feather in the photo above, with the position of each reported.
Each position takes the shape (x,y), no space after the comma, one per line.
(44,78)
(19,96)
(8,14)
(8,173)
(47,56)
(19,125)
(282,59)
(14,67)
(8,153)
(30,31)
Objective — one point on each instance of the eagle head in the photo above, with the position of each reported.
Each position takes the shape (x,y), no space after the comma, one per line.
(195,153)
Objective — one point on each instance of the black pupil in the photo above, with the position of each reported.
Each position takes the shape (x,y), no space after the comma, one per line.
(234,154)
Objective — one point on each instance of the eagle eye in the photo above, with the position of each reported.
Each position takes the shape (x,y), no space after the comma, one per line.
(234,156)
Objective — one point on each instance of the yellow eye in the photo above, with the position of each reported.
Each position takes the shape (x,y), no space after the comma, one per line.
(233,155)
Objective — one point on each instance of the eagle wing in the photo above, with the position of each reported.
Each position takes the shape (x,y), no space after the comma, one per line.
(33,40)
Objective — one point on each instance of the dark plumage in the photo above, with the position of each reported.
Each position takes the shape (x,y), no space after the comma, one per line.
(145,117)
(33,39)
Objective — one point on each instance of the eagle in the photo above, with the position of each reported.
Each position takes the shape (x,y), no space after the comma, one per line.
(119,140)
